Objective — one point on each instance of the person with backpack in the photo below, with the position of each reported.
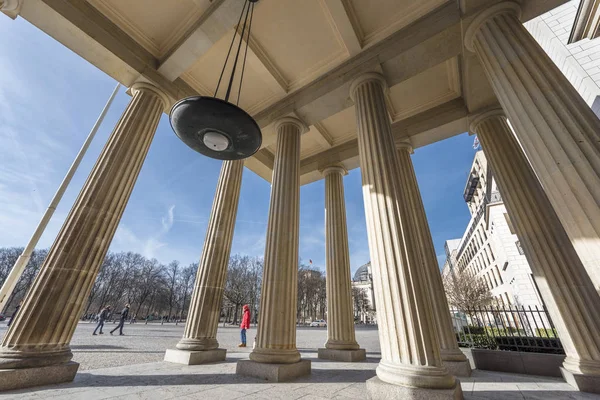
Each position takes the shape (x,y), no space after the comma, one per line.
(101,318)
(124,315)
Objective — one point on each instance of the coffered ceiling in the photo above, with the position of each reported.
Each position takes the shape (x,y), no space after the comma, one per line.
(302,58)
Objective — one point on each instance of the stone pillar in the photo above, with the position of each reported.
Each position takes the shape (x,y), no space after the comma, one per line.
(558,131)
(35,350)
(452,358)
(341,342)
(199,344)
(275,357)
(411,366)
(568,292)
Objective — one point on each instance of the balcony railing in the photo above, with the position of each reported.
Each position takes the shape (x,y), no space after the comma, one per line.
(471,186)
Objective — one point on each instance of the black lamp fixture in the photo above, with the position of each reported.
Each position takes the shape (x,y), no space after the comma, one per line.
(218,128)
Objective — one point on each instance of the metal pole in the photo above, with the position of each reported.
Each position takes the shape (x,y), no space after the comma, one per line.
(19,267)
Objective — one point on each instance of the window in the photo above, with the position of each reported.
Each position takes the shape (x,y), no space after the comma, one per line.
(491,253)
(498,273)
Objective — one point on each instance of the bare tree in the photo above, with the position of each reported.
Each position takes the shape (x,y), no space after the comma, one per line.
(185,287)
(237,288)
(312,301)
(148,279)
(361,301)
(8,256)
(172,275)
(466,291)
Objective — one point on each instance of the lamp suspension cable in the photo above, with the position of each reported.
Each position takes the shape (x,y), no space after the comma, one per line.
(247,11)
(245,54)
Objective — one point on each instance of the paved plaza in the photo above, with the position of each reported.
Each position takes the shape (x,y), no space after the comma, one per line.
(131,367)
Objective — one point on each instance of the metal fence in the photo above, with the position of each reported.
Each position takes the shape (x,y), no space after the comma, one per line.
(513,328)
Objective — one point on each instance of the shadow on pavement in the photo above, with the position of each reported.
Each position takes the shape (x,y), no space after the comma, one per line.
(96,347)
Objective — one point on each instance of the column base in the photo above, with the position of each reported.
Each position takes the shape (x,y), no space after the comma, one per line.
(380,390)
(194,357)
(21,378)
(273,372)
(583,383)
(342,355)
(458,368)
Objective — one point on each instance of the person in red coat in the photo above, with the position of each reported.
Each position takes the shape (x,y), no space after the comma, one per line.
(245,325)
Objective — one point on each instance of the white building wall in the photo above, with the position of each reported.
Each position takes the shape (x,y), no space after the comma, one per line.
(491,251)
(513,266)
(580,62)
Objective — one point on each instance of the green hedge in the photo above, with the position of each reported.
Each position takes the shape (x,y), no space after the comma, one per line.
(550,345)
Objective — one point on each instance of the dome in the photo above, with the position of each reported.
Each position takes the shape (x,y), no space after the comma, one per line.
(362,273)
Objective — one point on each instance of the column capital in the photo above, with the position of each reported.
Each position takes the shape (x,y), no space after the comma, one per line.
(406,145)
(333,169)
(477,119)
(10,7)
(291,121)
(139,86)
(500,8)
(367,77)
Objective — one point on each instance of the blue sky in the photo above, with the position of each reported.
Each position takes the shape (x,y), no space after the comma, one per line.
(49,100)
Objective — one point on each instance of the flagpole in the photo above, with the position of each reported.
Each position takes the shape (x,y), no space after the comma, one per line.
(21,263)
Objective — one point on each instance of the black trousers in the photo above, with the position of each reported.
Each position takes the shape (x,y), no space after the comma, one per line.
(119,327)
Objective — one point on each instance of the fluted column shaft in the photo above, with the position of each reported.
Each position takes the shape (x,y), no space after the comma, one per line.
(556,128)
(340,318)
(276,336)
(41,332)
(203,317)
(410,354)
(564,284)
(411,198)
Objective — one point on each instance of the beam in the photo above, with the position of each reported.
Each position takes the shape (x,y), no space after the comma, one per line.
(439,20)
(220,17)
(341,21)
(323,137)
(438,123)
(93,23)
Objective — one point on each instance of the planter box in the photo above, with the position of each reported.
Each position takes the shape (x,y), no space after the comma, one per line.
(518,362)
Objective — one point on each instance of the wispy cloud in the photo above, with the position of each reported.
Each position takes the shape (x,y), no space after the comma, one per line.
(144,243)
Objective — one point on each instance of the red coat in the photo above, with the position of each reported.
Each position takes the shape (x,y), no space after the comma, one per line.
(245,320)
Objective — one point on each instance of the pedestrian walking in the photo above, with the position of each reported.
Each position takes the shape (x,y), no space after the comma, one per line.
(14,314)
(124,315)
(102,316)
(244,325)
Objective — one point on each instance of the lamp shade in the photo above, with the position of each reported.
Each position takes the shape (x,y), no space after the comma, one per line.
(215,128)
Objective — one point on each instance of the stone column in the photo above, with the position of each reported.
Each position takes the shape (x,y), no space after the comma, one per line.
(568,292)
(275,357)
(199,344)
(558,131)
(452,358)
(411,366)
(341,342)
(35,350)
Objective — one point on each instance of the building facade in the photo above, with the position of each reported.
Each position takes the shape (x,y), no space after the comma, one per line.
(490,248)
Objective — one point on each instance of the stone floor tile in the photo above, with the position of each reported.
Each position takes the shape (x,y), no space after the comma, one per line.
(219,393)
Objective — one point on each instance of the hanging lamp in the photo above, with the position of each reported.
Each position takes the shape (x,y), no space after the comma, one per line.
(218,128)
